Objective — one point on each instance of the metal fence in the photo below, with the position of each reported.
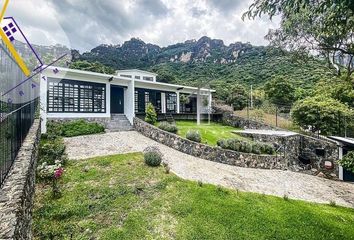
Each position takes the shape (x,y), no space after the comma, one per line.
(14,127)
(280,116)
(18,105)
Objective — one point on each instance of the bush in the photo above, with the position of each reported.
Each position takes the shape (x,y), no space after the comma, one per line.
(256,148)
(244,146)
(81,127)
(51,151)
(194,136)
(152,156)
(168,127)
(54,130)
(347,162)
(267,149)
(73,128)
(151,116)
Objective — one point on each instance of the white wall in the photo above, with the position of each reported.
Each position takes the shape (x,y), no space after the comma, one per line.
(129,102)
(163,102)
(178,110)
(43,103)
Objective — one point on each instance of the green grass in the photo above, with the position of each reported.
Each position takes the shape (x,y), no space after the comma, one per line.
(119,197)
(210,133)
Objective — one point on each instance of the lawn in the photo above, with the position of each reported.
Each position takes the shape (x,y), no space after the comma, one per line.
(119,197)
(210,133)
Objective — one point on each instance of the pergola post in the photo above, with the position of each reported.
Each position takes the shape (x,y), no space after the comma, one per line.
(198,106)
(178,104)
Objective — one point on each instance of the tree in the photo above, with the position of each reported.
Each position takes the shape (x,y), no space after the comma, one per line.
(238,97)
(347,162)
(93,67)
(151,116)
(280,91)
(321,113)
(336,88)
(166,77)
(325,26)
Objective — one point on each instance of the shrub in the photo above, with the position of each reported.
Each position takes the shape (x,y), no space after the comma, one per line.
(256,148)
(72,128)
(152,156)
(81,127)
(244,146)
(222,143)
(54,130)
(50,151)
(267,149)
(347,162)
(194,136)
(168,127)
(151,116)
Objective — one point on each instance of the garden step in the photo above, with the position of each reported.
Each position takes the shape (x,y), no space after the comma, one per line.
(119,122)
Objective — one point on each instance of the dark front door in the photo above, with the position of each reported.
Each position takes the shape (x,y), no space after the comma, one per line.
(117,99)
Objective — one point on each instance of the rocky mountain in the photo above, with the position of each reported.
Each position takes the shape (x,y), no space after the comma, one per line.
(190,62)
(46,53)
(135,53)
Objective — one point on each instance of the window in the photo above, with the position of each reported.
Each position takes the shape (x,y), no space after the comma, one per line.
(137,77)
(127,76)
(190,106)
(144,96)
(171,102)
(75,96)
(136,103)
(148,78)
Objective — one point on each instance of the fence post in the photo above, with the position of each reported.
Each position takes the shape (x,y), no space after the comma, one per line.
(248,115)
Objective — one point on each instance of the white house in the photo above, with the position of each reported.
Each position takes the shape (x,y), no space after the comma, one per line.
(70,93)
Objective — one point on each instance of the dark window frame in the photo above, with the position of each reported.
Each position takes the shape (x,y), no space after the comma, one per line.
(142,98)
(171,102)
(67,91)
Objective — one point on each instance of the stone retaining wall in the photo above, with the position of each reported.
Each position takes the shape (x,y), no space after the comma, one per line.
(297,145)
(102,120)
(210,153)
(16,195)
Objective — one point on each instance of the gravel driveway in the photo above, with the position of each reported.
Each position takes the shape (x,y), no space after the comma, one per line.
(272,182)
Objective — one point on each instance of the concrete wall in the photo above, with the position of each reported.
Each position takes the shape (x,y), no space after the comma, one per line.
(16,195)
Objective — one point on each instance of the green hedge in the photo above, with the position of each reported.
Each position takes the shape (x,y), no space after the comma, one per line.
(73,128)
(247,147)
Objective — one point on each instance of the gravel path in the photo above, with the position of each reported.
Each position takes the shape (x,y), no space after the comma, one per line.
(272,182)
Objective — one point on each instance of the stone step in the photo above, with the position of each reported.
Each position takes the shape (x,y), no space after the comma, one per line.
(119,122)
(118,116)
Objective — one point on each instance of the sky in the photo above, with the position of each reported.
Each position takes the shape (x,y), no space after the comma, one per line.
(85,24)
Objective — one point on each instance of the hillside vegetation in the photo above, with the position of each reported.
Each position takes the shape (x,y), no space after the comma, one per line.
(193,61)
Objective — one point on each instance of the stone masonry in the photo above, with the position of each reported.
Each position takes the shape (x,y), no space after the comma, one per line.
(16,195)
(204,151)
(286,159)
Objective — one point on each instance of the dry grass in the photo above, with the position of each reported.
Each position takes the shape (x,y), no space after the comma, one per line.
(267,118)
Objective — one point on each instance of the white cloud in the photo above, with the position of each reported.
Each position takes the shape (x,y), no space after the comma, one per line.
(84,24)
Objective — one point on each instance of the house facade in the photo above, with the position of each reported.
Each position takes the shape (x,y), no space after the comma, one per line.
(70,93)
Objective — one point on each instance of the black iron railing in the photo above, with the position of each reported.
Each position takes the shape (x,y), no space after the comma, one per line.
(14,127)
